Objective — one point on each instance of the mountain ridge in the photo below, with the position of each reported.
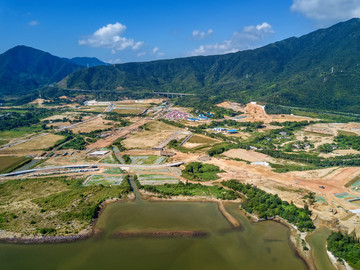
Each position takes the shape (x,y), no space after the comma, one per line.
(24,69)
(316,69)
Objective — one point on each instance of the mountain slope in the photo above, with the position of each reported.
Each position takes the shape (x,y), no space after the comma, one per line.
(23,68)
(320,70)
(87,61)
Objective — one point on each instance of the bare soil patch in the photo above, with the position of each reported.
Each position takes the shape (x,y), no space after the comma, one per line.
(250,155)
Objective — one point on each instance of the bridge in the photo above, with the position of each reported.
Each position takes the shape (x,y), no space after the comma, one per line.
(168,94)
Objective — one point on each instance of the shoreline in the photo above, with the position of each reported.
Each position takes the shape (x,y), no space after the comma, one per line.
(293,232)
(338,265)
(16,238)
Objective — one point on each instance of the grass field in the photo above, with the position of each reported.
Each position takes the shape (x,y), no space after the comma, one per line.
(139,160)
(202,139)
(114,171)
(9,163)
(193,190)
(42,142)
(93,109)
(109,160)
(55,205)
(154,133)
(127,111)
(19,132)
(156,177)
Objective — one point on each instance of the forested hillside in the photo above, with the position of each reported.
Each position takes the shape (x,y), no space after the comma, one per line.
(317,70)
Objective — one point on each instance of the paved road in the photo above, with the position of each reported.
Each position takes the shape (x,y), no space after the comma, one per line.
(82,166)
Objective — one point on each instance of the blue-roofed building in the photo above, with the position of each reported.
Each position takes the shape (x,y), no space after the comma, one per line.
(232,131)
(203,117)
(193,119)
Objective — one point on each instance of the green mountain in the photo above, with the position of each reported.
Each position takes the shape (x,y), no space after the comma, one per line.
(317,70)
(87,61)
(23,69)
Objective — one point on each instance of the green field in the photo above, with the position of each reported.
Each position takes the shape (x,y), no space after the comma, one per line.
(54,205)
(139,160)
(103,180)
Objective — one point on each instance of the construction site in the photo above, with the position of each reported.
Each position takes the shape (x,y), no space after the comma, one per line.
(147,154)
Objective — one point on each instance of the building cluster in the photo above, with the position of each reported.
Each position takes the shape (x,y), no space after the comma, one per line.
(177,115)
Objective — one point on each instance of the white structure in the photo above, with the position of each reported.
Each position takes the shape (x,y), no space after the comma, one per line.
(262,163)
(219,129)
(96,103)
(99,153)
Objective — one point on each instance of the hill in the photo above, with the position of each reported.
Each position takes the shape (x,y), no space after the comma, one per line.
(87,61)
(23,68)
(317,70)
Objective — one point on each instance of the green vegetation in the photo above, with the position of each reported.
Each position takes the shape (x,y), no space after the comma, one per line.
(10,163)
(127,159)
(276,109)
(78,143)
(17,119)
(266,205)
(220,148)
(347,142)
(326,148)
(119,118)
(190,189)
(345,247)
(200,172)
(119,145)
(57,202)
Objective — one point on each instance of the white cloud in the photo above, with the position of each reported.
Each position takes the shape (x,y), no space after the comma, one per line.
(33,23)
(197,34)
(110,36)
(327,10)
(247,38)
(157,51)
(114,61)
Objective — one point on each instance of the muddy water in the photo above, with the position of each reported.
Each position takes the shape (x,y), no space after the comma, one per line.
(260,246)
(317,241)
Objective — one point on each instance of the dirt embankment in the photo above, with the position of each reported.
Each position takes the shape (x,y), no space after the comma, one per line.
(159,234)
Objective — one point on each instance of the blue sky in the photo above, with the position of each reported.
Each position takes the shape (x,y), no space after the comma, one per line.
(139,30)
